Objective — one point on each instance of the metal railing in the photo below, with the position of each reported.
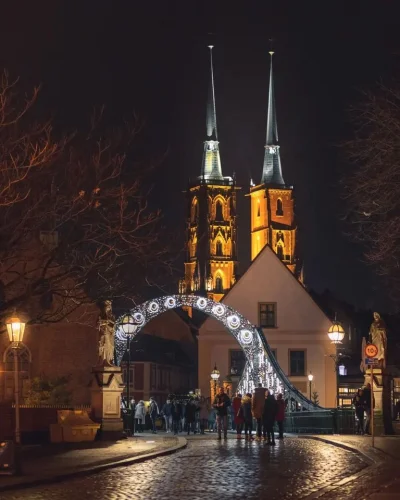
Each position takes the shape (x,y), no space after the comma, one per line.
(328,421)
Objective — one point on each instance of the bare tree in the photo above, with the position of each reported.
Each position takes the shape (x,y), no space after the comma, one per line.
(75,226)
(372,186)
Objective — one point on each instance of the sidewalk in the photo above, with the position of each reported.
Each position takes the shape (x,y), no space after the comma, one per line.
(52,463)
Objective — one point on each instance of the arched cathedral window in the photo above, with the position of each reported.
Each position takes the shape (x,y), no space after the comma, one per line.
(279,207)
(279,251)
(218,249)
(219,288)
(219,215)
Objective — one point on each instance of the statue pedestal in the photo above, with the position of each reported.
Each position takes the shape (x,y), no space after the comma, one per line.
(379,429)
(106,390)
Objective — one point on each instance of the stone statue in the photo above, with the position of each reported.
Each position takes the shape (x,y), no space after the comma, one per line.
(377,335)
(106,327)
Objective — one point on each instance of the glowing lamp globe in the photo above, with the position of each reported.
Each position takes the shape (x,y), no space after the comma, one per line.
(310,377)
(336,333)
(15,329)
(215,373)
(128,325)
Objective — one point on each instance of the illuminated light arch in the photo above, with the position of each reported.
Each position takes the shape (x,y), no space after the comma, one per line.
(261,365)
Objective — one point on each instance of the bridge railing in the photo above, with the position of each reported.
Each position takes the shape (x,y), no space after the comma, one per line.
(327,421)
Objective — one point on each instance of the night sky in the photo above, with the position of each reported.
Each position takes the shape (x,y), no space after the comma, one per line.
(152,57)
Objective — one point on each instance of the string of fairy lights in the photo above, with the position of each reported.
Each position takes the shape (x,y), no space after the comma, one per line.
(258,367)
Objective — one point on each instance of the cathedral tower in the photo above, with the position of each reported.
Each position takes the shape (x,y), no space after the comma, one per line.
(210,266)
(272,204)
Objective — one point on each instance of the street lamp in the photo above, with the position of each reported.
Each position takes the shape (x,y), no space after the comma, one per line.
(129,328)
(336,334)
(16,329)
(215,377)
(310,379)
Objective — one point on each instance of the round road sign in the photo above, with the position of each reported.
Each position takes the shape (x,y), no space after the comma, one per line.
(371,351)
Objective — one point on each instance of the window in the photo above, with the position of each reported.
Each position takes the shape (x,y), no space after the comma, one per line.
(218,249)
(279,207)
(237,361)
(297,362)
(218,211)
(279,251)
(267,313)
(258,209)
(218,284)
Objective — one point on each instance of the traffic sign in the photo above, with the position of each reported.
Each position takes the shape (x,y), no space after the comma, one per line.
(371,351)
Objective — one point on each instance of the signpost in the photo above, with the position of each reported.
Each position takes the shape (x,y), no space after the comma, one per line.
(371,352)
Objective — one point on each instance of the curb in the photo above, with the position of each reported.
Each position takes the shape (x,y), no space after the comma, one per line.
(182,443)
(373,460)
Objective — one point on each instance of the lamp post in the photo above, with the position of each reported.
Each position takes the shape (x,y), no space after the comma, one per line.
(129,328)
(215,377)
(310,379)
(16,329)
(336,334)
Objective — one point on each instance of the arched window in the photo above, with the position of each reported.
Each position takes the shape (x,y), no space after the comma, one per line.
(279,207)
(218,249)
(24,369)
(279,251)
(219,211)
(218,284)
(258,209)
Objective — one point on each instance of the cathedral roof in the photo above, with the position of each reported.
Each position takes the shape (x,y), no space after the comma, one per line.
(272,169)
(211,165)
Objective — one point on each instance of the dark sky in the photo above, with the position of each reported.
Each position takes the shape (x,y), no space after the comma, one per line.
(151,57)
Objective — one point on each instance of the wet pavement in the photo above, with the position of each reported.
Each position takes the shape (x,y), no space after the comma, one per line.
(208,469)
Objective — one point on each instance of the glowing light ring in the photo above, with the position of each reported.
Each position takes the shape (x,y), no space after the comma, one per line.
(154,307)
(260,366)
(201,303)
(170,303)
(139,318)
(246,337)
(218,310)
(233,321)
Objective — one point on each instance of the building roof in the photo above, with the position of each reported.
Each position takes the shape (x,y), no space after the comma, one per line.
(272,169)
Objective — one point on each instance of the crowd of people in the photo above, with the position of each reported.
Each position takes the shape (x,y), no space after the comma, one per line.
(198,415)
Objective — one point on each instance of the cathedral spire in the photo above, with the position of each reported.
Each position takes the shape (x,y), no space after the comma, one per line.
(272,169)
(211,167)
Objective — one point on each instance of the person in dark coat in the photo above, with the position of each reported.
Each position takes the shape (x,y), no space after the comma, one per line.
(153,412)
(269,416)
(367,406)
(238,414)
(280,414)
(176,414)
(221,404)
(190,415)
(247,416)
(358,402)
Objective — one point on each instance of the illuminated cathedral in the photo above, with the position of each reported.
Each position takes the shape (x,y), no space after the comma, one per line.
(211,233)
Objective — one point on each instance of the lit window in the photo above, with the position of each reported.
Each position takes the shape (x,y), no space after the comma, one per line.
(267,313)
(218,284)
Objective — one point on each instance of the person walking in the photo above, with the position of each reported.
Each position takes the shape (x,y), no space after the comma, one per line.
(247,416)
(269,415)
(140,416)
(190,415)
(203,415)
(280,414)
(153,412)
(212,416)
(132,408)
(166,413)
(221,404)
(358,402)
(238,414)
(258,407)
(176,413)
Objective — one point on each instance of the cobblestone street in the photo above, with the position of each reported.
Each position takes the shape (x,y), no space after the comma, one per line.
(208,469)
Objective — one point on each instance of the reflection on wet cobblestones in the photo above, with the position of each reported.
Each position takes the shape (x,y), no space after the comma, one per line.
(208,469)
